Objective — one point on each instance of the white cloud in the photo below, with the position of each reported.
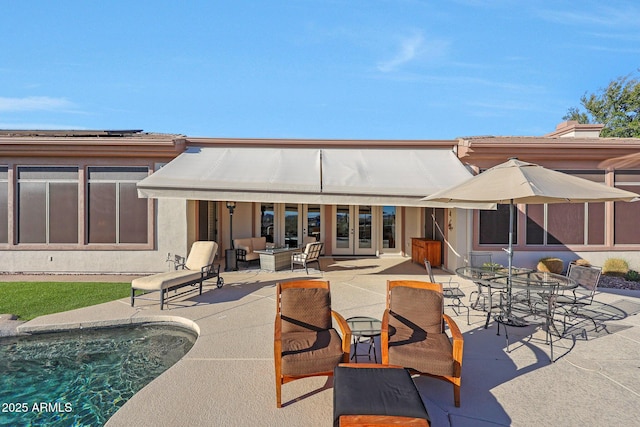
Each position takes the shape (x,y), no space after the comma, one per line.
(35,103)
(410,48)
(615,17)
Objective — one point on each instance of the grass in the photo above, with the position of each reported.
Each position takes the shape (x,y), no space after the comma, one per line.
(28,300)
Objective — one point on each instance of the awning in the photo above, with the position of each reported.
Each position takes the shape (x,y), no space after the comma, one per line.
(385,177)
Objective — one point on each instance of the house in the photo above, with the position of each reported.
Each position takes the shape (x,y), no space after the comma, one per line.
(71,202)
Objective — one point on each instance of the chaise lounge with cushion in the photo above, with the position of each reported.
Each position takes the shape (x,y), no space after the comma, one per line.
(197,268)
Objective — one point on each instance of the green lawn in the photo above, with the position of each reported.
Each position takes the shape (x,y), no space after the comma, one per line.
(28,300)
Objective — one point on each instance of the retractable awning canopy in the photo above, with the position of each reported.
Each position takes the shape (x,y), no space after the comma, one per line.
(396,177)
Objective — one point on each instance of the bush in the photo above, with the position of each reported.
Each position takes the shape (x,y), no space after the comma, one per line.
(615,267)
(632,276)
(491,266)
(551,265)
(582,262)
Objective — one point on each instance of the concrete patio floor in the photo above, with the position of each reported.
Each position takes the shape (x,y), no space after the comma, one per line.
(227,379)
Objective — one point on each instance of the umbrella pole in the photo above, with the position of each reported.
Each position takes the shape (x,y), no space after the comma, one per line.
(506,317)
(510,255)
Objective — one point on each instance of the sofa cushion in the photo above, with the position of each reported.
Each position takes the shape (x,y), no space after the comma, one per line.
(252,256)
(243,244)
(259,243)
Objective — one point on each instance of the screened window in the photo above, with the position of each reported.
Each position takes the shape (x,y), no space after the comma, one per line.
(115,213)
(47,204)
(494,226)
(4,204)
(626,230)
(568,223)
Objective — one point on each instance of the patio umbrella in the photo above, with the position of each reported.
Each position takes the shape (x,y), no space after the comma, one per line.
(516,182)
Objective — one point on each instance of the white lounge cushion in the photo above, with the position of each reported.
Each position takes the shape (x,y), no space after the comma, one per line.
(202,254)
(159,281)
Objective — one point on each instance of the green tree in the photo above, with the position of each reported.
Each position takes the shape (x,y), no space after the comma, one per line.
(617,107)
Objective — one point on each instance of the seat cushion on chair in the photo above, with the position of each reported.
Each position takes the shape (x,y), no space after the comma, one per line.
(433,354)
(423,307)
(306,353)
(305,309)
(159,281)
(252,256)
(298,257)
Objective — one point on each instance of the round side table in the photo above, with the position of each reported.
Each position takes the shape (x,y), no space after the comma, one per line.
(364,330)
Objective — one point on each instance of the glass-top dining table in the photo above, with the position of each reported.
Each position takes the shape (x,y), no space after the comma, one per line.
(522,292)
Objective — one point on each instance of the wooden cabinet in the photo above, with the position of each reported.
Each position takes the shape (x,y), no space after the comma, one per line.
(422,248)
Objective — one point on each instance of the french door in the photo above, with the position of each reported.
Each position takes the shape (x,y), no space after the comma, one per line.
(354,230)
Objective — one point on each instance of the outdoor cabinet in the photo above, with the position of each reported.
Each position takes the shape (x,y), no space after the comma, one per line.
(422,248)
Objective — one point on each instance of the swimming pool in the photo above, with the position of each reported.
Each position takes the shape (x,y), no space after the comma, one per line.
(82,377)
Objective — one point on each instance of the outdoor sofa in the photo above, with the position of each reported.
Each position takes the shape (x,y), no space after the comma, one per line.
(198,267)
(245,248)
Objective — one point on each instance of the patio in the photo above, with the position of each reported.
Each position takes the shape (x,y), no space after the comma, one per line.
(227,378)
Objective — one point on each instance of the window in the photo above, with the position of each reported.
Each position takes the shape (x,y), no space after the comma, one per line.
(4,204)
(116,214)
(568,223)
(47,204)
(626,230)
(494,226)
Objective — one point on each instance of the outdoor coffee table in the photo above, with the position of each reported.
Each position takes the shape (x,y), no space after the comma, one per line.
(371,394)
(367,328)
(276,259)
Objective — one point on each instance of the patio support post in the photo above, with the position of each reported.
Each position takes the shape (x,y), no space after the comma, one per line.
(230,254)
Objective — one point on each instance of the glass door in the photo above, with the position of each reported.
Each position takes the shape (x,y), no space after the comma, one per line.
(292,225)
(312,223)
(343,230)
(355,233)
(366,242)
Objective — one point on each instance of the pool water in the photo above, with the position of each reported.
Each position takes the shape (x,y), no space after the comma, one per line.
(82,377)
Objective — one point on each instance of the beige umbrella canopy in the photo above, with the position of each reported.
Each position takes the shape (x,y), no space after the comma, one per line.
(521,182)
(515,182)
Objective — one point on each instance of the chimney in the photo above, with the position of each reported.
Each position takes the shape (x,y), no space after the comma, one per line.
(573,129)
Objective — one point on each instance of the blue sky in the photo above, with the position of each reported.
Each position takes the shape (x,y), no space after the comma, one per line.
(355,69)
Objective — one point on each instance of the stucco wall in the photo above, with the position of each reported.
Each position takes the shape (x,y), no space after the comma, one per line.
(171,238)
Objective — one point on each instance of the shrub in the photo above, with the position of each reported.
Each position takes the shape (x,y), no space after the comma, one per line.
(550,265)
(582,262)
(491,266)
(632,276)
(615,267)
